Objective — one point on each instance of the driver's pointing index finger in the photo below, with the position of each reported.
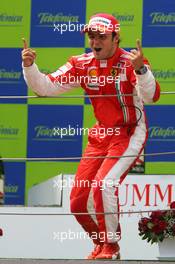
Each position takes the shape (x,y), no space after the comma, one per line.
(25,46)
(139,47)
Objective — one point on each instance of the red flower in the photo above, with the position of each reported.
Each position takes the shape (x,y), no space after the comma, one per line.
(155,221)
(156,214)
(156,229)
(143,224)
(162,225)
(158,226)
(1,232)
(172,205)
(145,220)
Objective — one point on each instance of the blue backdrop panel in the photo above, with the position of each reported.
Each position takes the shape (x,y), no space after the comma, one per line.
(14,182)
(158,23)
(42,121)
(161,132)
(11,78)
(44,16)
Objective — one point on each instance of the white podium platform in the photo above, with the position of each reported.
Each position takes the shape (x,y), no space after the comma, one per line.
(42,232)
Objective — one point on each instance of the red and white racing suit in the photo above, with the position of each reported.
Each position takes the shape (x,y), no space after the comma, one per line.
(124,113)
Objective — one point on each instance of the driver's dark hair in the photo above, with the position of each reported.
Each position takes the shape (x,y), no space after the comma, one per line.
(113,36)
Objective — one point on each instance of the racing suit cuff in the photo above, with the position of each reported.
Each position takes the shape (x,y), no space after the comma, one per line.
(146,77)
(31,73)
(31,68)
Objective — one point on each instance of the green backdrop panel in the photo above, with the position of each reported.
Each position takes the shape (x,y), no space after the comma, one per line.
(14,22)
(37,172)
(129,14)
(160,168)
(13,130)
(49,60)
(89,121)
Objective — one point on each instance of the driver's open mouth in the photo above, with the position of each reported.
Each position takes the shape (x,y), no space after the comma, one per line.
(97,49)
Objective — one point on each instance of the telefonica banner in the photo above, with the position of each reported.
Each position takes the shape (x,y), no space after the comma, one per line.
(11,78)
(61,26)
(14,183)
(158,23)
(50,135)
(165,76)
(161,131)
(48,18)
(12,75)
(124,18)
(161,18)
(157,132)
(10,19)
(8,131)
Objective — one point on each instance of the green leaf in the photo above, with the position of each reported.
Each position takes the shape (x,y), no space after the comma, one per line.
(143,238)
(154,239)
(161,238)
(149,239)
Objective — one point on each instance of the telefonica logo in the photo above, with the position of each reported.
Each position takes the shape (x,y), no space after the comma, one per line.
(164,74)
(55,133)
(8,131)
(44,131)
(124,17)
(159,132)
(6,74)
(11,188)
(162,18)
(10,18)
(48,18)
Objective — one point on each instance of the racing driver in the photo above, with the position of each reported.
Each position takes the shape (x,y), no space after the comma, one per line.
(118,104)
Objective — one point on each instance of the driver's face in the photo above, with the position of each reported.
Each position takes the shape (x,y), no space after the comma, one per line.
(102,44)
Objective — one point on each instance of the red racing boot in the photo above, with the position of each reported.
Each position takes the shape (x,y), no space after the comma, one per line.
(95,252)
(109,251)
